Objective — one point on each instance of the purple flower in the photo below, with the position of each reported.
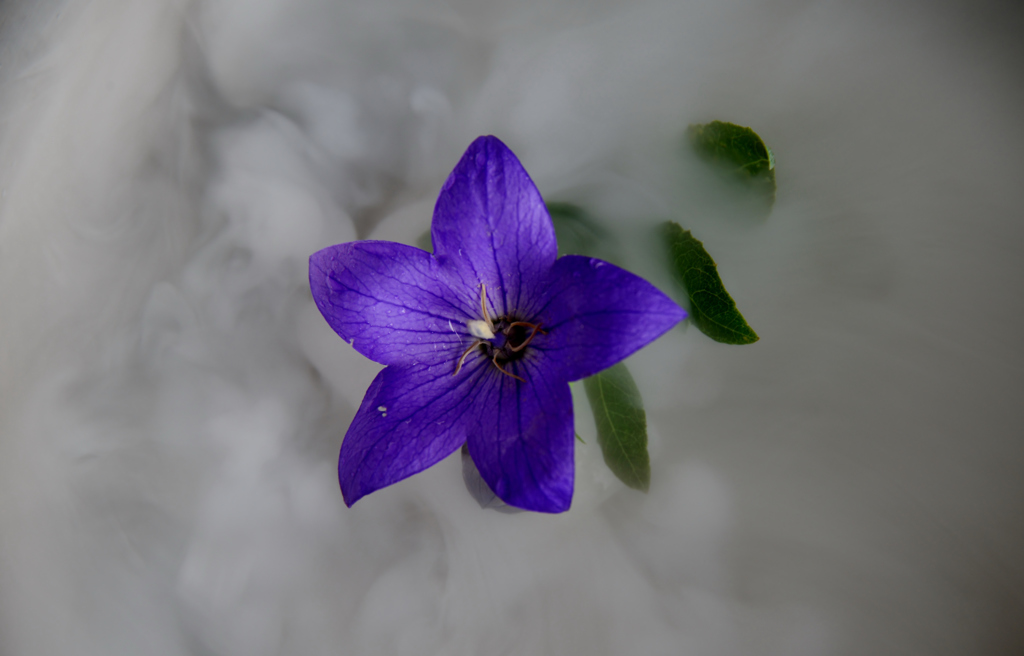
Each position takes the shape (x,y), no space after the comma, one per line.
(481,338)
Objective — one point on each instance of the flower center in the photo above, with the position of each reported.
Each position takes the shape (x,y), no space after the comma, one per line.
(501,340)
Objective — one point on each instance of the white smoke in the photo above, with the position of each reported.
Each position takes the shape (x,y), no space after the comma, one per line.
(172,403)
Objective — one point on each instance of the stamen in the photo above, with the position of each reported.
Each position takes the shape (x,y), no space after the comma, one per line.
(507,373)
(536,329)
(458,365)
(483,304)
(480,329)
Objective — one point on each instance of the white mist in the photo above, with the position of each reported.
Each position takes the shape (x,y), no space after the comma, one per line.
(171,403)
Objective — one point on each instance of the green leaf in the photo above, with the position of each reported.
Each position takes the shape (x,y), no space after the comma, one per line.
(712,310)
(621,425)
(738,152)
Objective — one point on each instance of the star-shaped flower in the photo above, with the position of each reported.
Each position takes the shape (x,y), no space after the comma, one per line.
(480,338)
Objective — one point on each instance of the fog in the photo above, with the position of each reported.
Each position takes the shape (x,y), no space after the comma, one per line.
(172,403)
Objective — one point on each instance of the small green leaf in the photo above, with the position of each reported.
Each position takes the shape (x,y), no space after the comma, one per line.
(739,152)
(621,425)
(712,310)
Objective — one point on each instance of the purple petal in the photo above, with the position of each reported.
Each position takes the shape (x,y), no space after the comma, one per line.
(491,226)
(523,439)
(390,301)
(410,418)
(597,314)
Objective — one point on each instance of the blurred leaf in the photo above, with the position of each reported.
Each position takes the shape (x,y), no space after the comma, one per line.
(478,488)
(739,152)
(621,425)
(712,310)
(577,233)
(425,242)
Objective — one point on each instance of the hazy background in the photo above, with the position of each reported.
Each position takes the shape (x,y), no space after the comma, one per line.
(172,404)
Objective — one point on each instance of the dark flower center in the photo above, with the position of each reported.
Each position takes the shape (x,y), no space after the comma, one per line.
(506,341)
(511,336)
(501,340)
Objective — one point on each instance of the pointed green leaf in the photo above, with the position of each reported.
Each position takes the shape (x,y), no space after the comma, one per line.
(739,152)
(621,425)
(712,310)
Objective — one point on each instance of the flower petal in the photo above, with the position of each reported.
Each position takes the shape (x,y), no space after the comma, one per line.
(390,301)
(411,418)
(491,226)
(523,439)
(598,314)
